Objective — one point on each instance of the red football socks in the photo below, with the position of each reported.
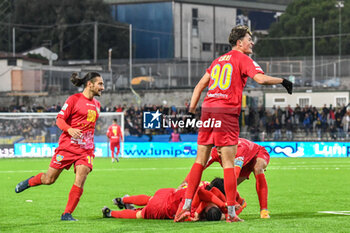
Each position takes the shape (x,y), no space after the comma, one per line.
(230,184)
(261,189)
(73,199)
(237,171)
(194,179)
(36,180)
(140,200)
(124,214)
(239,199)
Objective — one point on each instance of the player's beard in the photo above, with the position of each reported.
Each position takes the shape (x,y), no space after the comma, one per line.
(96,92)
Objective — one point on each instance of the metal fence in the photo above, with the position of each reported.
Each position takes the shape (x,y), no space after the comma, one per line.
(166,74)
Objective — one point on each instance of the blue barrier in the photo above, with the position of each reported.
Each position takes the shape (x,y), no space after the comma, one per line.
(189,149)
(307,149)
(154,138)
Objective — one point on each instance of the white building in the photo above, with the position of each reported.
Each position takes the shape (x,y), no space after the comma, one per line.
(20,73)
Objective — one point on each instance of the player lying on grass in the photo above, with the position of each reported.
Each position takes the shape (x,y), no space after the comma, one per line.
(209,204)
(250,157)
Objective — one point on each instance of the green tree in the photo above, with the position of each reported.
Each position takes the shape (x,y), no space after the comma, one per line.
(66,26)
(296,24)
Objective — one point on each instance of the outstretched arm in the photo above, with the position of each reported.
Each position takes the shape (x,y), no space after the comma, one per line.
(268,80)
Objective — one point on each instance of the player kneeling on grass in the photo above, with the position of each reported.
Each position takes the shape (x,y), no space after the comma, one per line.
(208,204)
(77,120)
(250,157)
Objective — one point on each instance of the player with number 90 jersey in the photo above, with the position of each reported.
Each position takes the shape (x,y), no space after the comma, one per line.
(228,76)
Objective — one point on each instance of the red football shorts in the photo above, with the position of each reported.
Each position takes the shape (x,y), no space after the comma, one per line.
(64,159)
(156,207)
(249,167)
(226,135)
(114,144)
(264,154)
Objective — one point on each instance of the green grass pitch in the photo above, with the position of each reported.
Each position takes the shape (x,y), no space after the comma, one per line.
(298,189)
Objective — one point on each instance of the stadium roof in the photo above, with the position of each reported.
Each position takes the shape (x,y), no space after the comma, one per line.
(268,5)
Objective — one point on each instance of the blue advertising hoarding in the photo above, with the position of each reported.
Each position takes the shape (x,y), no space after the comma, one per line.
(307,149)
(189,149)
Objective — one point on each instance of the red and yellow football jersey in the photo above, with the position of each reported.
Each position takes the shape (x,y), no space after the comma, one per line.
(114,133)
(81,113)
(246,151)
(228,76)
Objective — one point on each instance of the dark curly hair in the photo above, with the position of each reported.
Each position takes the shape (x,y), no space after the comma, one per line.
(78,81)
(214,214)
(217,183)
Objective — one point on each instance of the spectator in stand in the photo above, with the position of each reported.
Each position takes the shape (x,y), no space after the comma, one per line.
(318,125)
(277,127)
(324,124)
(262,115)
(331,116)
(297,111)
(314,116)
(289,113)
(346,123)
(333,132)
(119,108)
(307,124)
(53,132)
(289,130)
(325,110)
(175,136)
(339,124)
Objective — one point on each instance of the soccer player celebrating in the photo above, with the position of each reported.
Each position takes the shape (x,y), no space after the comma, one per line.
(250,157)
(209,203)
(77,120)
(114,135)
(225,79)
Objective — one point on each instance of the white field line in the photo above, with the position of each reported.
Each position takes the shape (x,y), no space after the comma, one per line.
(309,162)
(335,212)
(328,167)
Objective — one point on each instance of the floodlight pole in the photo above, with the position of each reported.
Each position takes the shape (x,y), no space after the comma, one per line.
(95,41)
(313,52)
(13,41)
(130,53)
(110,59)
(189,46)
(339,5)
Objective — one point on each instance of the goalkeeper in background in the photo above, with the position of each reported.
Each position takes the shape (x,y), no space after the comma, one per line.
(114,134)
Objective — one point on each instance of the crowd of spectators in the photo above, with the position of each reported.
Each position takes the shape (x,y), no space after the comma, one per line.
(299,123)
(32,108)
(257,124)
